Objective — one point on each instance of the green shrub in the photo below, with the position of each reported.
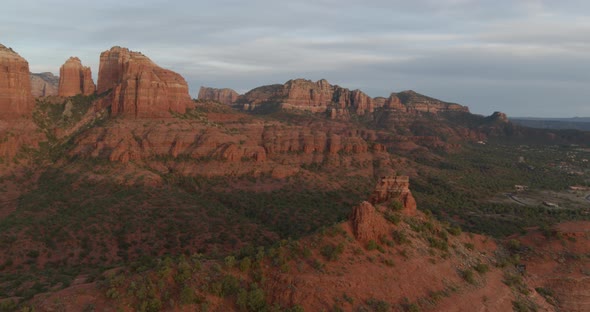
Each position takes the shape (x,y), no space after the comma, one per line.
(252,300)
(396,205)
(514,245)
(372,245)
(378,305)
(8,306)
(521,306)
(544,292)
(318,265)
(229,285)
(187,295)
(468,276)
(331,251)
(438,243)
(481,268)
(392,217)
(230,261)
(455,230)
(399,237)
(245,264)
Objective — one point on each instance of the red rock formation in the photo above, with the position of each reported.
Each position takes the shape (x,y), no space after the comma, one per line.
(224,96)
(395,188)
(44,84)
(75,79)
(140,88)
(367,224)
(317,97)
(16,99)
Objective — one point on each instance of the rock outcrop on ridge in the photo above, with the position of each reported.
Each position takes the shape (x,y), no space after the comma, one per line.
(74,79)
(395,188)
(140,88)
(366,221)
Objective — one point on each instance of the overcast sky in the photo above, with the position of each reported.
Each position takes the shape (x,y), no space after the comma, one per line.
(522,57)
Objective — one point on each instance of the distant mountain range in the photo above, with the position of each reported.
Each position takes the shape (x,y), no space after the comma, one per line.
(578,123)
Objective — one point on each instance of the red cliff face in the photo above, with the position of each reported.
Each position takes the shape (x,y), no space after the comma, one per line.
(140,88)
(16,99)
(44,84)
(224,96)
(74,79)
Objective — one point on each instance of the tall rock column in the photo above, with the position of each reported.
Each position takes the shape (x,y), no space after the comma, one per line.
(74,79)
(16,99)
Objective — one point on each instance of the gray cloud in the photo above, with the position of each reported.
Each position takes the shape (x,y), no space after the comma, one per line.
(527,57)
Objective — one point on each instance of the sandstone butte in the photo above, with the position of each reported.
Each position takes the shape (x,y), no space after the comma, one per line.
(74,79)
(139,87)
(16,99)
(225,96)
(44,84)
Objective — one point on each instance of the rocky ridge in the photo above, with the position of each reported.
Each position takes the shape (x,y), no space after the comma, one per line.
(74,79)
(322,97)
